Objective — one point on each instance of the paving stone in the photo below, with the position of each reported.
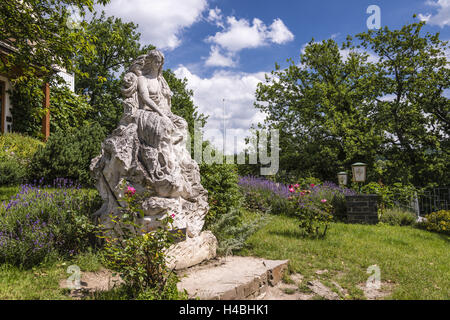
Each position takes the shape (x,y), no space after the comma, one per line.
(232,278)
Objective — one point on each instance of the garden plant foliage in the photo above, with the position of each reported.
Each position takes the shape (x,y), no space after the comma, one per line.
(68,154)
(140,257)
(41,222)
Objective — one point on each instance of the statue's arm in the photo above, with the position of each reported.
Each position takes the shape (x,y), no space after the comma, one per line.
(143,93)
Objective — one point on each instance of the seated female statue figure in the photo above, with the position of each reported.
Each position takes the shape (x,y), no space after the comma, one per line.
(146,88)
(148,101)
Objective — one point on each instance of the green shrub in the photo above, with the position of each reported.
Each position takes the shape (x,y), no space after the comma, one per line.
(40,222)
(232,231)
(170,291)
(438,221)
(140,258)
(16,151)
(314,218)
(68,154)
(221,181)
(123,292)
(12,172)
(398,217)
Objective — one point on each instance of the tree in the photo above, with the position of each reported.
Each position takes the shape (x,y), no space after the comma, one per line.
(390,113)
(414,72)
(41,36)
(321,111)
(115,45)
(41,40)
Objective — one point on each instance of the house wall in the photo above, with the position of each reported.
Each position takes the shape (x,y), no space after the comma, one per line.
(7,127)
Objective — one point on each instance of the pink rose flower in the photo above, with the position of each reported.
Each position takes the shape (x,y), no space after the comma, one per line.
(291,190)
(130,191)
(312,185)
(323,200)
(296,186)
(172,215)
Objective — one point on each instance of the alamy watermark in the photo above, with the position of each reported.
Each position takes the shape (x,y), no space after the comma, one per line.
(262,148)
(73,282)
(374,280)
(374,20)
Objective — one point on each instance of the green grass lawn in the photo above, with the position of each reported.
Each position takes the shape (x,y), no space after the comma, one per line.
(7,192)
(42,282)
(415,262)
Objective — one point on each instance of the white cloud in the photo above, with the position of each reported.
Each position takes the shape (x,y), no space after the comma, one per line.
(442,17)
(238,90)
(279,33)
(215,17)
(160,22)
(239,34)
(216,59)
(345,53)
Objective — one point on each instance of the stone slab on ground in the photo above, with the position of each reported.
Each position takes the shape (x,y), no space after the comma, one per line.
(232,278)
(318,288)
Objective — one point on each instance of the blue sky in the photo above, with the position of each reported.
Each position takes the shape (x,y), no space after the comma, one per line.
(224,47)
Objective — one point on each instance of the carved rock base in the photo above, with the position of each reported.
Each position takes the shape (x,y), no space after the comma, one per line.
(193,251)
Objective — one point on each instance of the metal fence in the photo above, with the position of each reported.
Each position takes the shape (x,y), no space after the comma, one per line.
(430,200)
(433,200)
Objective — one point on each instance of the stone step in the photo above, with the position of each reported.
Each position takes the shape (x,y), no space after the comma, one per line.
(232,278)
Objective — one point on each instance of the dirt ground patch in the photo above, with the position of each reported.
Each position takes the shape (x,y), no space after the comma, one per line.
(91,282)
(372,293)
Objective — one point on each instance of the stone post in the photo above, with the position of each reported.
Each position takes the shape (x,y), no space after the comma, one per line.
(362,208)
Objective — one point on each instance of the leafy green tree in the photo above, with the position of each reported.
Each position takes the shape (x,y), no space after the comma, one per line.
(321,110)
(390,113)
(414,72)
(41,36)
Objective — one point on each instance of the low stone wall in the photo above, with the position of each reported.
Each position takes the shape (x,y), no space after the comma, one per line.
(362,209)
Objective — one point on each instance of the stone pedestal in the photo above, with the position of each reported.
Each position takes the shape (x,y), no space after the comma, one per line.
(362,209)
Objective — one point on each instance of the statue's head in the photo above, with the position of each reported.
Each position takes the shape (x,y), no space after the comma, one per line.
(155,59)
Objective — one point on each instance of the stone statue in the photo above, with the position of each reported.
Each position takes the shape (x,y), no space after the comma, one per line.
(148,150)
